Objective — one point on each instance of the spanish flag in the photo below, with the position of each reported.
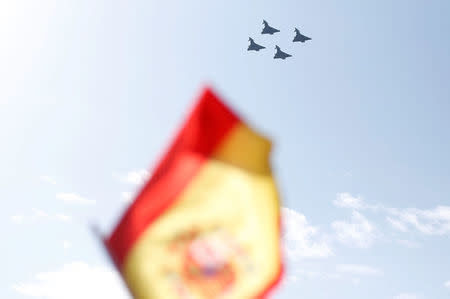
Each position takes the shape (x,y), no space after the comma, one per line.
(207,223)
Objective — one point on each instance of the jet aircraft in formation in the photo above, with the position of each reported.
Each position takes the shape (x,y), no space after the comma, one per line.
(267,29)
(279,54)
(300,37)
(254,46)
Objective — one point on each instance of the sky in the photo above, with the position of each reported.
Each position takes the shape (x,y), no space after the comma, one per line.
(91,92)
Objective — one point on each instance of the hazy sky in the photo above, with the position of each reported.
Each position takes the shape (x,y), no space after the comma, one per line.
(91,92)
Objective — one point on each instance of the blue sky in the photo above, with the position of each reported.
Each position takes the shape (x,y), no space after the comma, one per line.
(91,92)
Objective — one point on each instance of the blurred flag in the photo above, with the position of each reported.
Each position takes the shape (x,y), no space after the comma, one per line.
(207,223)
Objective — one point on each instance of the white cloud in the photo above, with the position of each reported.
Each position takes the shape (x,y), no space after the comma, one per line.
(406,296)
(397,224)
(430,222)
(435,221)
(73,281)
(302,240)
(358,269)
(66,244)
(17,219)
(47,179)
(135,177)
(447,284)
(74,198)
(358,233)
(346,200)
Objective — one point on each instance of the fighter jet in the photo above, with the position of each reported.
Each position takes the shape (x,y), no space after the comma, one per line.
(280,54)
(267,29)
(254,46)
(300,37)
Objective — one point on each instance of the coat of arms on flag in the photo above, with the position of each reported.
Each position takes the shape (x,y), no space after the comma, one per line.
(207,223)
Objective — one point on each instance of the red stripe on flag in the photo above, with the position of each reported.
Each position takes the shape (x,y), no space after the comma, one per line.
(205,128)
